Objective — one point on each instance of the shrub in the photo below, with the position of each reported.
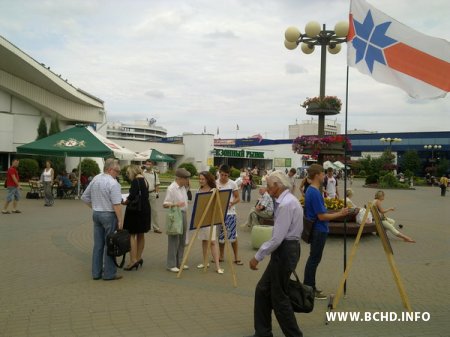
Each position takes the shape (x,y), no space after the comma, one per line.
(234,173)
(89,167)
(123,173)
(388,180)
(362,173)
(28,168)
(190,167)
(372,179)
(213,170)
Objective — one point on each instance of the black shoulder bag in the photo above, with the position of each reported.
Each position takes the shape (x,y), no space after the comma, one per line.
(308,226)
(118,244)
(300,295)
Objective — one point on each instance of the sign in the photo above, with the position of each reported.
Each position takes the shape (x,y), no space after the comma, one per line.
(238,153)
(210,161)
(224,142)
(282,162)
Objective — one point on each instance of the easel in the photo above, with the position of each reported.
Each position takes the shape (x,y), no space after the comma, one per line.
(389,255)
(212,214)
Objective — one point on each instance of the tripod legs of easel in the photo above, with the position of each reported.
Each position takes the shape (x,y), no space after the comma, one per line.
(217,207)
(389,257)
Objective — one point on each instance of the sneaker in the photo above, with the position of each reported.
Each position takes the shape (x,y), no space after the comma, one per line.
(220,271)
(5,212)
(201,266)
(319,295)
(185,267)
(173,270)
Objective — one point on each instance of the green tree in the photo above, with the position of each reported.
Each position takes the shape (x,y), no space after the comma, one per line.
(411,162)
(54,126)
(89,167)
(42,129)
(28,168)
(190,167)
(443,167)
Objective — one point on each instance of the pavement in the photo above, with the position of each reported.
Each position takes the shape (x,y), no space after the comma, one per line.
(46,287)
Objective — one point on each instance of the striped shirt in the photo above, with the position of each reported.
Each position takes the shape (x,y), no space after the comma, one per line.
(103,193)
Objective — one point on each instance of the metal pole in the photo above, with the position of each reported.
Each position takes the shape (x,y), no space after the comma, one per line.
(345,181)
(323,70)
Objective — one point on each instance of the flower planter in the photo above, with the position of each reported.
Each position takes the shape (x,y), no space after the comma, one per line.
(315,111)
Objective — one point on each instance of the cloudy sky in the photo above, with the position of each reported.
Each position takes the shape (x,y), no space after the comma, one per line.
(216,64)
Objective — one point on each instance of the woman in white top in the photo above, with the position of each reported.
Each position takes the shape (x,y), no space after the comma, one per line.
(47,179)
(207,183)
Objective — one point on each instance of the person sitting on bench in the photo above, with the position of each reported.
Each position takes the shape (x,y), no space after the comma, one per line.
(263,209)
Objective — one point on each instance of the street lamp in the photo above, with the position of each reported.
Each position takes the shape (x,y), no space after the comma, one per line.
(390,141)
(432,148)
(314,36)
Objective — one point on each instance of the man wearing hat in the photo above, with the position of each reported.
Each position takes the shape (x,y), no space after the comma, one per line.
(176,196)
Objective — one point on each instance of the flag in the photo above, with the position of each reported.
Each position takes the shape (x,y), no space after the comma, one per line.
(217,130)
(392,53)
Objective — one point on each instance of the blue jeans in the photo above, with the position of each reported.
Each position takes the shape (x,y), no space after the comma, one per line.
(315,255)
(246,189)
(102,264)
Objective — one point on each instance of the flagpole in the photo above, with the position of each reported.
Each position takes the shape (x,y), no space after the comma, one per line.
(345,180)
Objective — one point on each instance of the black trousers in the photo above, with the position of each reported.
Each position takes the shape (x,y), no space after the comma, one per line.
(271,292)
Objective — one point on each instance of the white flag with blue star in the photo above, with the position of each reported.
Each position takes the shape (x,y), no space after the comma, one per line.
(395,54)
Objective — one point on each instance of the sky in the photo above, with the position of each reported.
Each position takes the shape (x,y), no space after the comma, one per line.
(213,64)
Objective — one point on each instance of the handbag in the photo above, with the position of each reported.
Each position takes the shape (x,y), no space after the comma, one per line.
(136,204)
(300,295)
(118,244)
(174,221)
(307,229)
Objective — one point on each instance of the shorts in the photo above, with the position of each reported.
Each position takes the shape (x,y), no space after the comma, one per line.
(13,193)
(230,224)
(203,233)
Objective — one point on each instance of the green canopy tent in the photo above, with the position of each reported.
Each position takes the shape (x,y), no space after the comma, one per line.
(78,141)
(155,155)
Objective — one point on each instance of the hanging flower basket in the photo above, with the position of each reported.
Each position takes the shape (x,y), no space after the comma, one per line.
(315,145)
(329,105)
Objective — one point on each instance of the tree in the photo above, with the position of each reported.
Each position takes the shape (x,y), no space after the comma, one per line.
(42,129)
(89,167)
(190,167)
(443,167)
(54,126)
(411,162)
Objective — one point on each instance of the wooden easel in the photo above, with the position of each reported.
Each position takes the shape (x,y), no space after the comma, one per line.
(389,255)
(209,218)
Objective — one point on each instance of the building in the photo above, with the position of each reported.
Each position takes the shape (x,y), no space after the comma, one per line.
(141,130)
(29,90)
(311,127)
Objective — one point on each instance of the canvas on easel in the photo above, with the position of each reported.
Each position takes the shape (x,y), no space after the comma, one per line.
(389,255)
(210,209)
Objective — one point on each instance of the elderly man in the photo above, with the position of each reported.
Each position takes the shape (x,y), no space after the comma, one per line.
(271,292)
(153,191)
(176,196)
(104,196)
(13,186)
(262,210)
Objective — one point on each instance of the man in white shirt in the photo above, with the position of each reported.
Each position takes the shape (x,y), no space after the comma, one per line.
(291,178)
(153,193)
(225,183)
(330,185)
(176,196)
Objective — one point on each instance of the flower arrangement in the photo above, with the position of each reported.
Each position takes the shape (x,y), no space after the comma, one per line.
(328,102)
(334,204)
(314,144)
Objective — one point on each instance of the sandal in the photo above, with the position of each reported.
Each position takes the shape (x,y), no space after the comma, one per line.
(220,271)
(238,262)
(16,211)
(6,212)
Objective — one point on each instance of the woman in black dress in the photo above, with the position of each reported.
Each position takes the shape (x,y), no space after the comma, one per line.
(137,221)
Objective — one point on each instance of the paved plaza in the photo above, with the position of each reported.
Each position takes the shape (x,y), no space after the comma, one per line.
(46,287)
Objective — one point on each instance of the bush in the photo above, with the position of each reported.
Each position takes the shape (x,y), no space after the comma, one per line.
(89,167)
(234,173)
(372,179)
(123,173)
(213,170)
(388,180)
(28,168)
(257,179)
(362,173)
(190,167)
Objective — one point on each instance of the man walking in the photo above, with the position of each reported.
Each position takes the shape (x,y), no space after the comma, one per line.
(315,210)
(272,290)
(153,191)
(103,195)
(13,187)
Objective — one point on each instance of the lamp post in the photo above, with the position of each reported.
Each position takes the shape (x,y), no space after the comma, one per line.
(390,141)
(432,148)
(315,36)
